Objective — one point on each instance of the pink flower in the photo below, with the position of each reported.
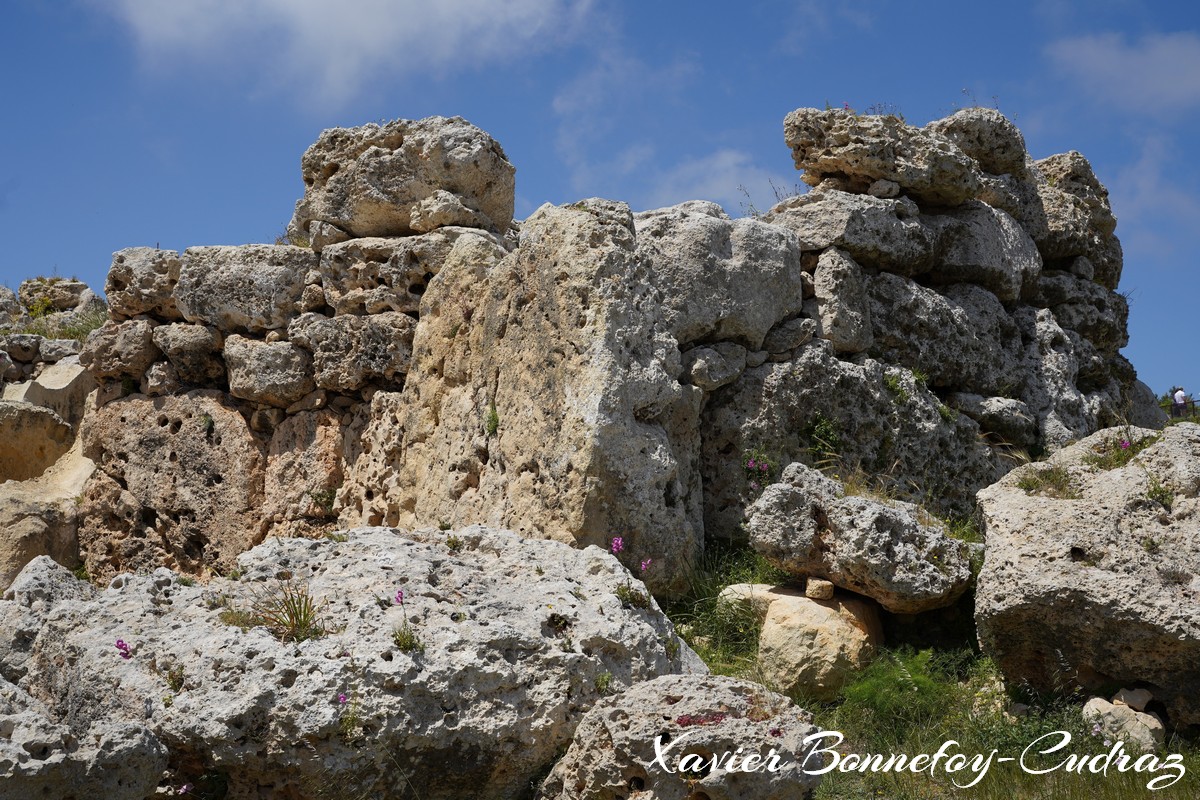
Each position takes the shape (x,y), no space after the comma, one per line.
(400,597)
(342,698)
(124,649)
(618,544)
(846,106)
(754,486)
(185,789)
(646,564)
(1124,445)
(750,464)
(763,467)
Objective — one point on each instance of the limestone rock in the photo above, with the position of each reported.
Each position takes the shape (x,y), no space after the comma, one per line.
(405,177)
(142,280)
(160,379)
(887,234)
(510,660)
(1143,732)
(6,366)
(62,387)
(1104,587)
(120,349)
(709,273)
(1010,419)
(816,408)
(350,351)
(818,589)
(1097,314)
(806,525)
(22,346)
(815,647)
(961,338)
(987,136)
(543,395)
(1144,410)
(40,757)
(31,439)
(368,276)
(277,374)
(613,752)
(10,306)
(179,483)
(1078,217)
(983,245)
(47,295)
(926,165)
(304,469)
(55,350)
(789,334)
(193,350)
(844,314)
(755,596)
(253,288)
(1134,698)
(710,368)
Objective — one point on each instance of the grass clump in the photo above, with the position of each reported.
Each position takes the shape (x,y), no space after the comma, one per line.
(288,611)
(407,640)
(1049,481)
(1118,451)
(491,423)
(824,439)
(893,384)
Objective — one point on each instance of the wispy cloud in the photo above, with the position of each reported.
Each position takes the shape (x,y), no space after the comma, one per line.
(1157,74)
(727,176)
(329,51)
(1151,206)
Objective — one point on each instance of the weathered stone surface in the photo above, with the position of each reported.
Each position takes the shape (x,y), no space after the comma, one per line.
(1144,410)
(55,350)
(843,313)
(275,373)
(252,288)
(61,387)
(818,408)
(887,234)
(39,516)
(789,334)
(613,753)
(818,588)
(1103,588)
(193,351)
(814,647)
(120,349)
(1134,698)
(22,347)
(350,351)
(10,306)
(1097,314)
(31,439)
(1143,732)
(987,136)
(406,177)
(46,295)
(159,380)
(368,276)
(860,150)
(304,470)
(1078,216)
(6,365)
(983,245)
(1010,419)
(710,368)
(179,483)
(543,396)
(961,338)
(709,273)
(511,661)
(40,757)
(806,525)
(142,280)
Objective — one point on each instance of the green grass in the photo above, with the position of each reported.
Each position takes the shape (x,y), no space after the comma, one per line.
(407,640)
(893,384)
(47,325)
(1050,481)
(287,610)
(1117,451)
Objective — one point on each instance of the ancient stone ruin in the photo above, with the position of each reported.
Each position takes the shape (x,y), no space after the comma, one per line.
(381,403)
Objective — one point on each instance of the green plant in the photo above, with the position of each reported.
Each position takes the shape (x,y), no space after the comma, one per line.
(454,544)
(1161,493)
(40,307)
(631,597)
(81,573)
(893,384)
(350,722)
(295,239)
(1119,450)
(825,442)
(443,526)
(174,678)
(287,610)
(336,536)
(323,499)
(758,468)
(491,422)
(1150,545)
(407,640)
(1049,481)
(186,580)
(947,413)
(604,683)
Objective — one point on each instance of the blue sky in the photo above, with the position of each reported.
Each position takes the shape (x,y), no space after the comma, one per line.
(142,122)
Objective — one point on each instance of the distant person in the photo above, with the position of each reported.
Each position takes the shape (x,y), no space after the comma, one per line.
(1180,403)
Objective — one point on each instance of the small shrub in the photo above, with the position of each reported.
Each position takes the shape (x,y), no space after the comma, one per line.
(323,499)
(631,597)
(1160,493)
(1150,545)
(81,573)
(491,422)
(1051,481)
(758,468)
(174,678)
(893,384)
(604,683)
(825,442)
(407,640)
(947,413)
(443,526)
(186,580)
(40,307)
(964,529)
(288,611)
(454,544)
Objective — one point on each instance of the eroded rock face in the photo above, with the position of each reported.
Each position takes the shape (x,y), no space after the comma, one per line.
(51,294)
(179,482)
(807,525)
(275,373)
(1102,587)
(349,351)
(142,280)
(405,177)
(613,750)
(510,660)
(253,288)
(120,349)
(543,395)
(863,149)
(31,439)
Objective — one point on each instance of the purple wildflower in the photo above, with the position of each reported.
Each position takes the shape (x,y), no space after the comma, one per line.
(646,564)
(185,789)
(400,597)
(1124,445)
(618,544)
(751,464)
(763,467)
(342,698)
(753,486)
(124,649)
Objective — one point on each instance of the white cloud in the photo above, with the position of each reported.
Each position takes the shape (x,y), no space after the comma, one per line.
(1150,204)
(1158,74)
(728,177)
(332,50)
